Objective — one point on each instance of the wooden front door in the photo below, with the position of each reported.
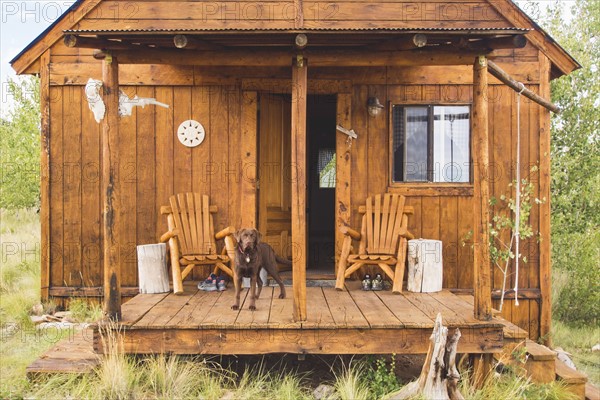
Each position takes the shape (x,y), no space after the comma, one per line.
(274,172)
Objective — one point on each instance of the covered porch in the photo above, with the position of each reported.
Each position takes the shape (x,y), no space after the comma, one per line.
(338,322)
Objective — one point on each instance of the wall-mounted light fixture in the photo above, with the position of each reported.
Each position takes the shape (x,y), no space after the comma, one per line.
(374,106)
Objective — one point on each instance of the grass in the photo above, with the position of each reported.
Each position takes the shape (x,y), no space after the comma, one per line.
(509,386)
(579,342)
(20,342)
(164,377)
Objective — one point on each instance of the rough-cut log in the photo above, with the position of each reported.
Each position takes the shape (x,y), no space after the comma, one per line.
(505,78)
(152,268)
(439,376)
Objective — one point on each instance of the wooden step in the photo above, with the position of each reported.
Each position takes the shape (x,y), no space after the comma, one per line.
(574,380)
(540,362)
(74,355)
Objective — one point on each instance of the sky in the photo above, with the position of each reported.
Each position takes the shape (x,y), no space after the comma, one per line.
(23,20)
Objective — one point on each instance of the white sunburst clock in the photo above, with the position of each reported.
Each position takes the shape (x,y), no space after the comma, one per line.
(191,133)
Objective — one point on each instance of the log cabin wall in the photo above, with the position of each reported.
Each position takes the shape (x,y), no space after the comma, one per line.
(154,165)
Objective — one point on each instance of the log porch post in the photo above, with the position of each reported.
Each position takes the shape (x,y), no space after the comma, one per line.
(299,93)
(482,284)
(110,189)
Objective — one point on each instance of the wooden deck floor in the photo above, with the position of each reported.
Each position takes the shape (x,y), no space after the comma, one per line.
(339,322)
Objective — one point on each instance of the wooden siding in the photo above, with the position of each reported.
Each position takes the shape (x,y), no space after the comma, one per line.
(154,165)
(268,14)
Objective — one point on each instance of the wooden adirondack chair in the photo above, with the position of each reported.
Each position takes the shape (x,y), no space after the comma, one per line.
(383,240)
(191,238)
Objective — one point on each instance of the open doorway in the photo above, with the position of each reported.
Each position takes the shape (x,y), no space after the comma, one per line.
(320,126)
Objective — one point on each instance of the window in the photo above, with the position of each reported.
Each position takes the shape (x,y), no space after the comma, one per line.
(431,143)
(326,168)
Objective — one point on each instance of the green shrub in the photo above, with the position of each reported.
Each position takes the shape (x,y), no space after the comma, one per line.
(578,254)
(19,146)
(381,378)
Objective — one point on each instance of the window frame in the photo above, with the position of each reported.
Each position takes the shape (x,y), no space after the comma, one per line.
(429,187)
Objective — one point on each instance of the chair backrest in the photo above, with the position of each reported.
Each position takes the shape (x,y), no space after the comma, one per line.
(192,217)
(385,218)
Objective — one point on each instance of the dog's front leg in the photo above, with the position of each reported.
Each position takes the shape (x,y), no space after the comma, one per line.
(238,288)
(252,293)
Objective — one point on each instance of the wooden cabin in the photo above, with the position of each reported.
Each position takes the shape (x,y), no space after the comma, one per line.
(270,82)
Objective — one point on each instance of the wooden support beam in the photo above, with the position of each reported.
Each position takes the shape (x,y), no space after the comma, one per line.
(299,97)
(402,43)
(110,189)
(489,44)
(277,57)
(96,43)
(505,78)
(544,219)
(482,283)
(343,164)
(191,42)
(46,240)
(301,41)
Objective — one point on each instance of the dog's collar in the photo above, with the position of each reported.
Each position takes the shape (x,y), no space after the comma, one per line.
(247,256)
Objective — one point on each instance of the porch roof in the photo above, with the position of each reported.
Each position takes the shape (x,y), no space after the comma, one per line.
(27,61)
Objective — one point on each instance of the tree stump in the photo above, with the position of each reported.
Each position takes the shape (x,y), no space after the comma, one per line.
(439,376)
(152,268)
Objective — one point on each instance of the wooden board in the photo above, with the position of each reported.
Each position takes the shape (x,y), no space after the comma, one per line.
(193,312)
(162,313)
(164,137)
(146,205)
(344,310)
(299,182)
(249,157)
(405,311)
(318,311)
(343,191)
(373,309)
(450,240)
(377,144)
(45,236)
(128,175)
(136,308)
(219,154)
(544,221)
(247,319)
(72,355)
(71,186)
(301,341)
(340,322)
(221,315)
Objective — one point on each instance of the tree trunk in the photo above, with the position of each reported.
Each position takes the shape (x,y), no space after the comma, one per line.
(152,268)
(439,376)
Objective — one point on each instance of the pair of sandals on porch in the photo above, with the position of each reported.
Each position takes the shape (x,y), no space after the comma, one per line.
(382,240)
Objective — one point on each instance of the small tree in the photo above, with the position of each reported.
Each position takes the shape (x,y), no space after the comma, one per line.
(19,144)
(503,253)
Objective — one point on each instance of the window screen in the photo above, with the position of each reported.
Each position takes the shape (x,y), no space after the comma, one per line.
(326,168)
(431,143)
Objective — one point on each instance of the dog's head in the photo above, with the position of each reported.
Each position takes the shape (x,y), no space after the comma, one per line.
(247,238)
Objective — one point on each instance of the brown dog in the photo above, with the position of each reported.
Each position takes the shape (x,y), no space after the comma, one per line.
(250,256)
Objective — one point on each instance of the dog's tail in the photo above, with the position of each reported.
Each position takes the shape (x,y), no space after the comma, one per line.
(282,260)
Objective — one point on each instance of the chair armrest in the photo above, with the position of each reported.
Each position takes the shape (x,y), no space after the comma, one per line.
(405,233)
(170,234)
(346,230)
(230,230)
